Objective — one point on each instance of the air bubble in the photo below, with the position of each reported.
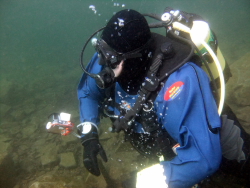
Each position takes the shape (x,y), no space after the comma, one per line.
(121,22)
(91,7)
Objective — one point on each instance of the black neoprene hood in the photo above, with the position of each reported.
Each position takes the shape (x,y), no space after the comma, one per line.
(126,31)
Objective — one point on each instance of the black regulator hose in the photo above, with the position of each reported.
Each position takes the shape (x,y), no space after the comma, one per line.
(157,24)
(82,52)
(152,15)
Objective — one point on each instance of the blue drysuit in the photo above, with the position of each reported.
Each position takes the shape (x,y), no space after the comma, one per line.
(185,107)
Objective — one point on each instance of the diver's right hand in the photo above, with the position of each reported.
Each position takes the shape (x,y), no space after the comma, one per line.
(91,149)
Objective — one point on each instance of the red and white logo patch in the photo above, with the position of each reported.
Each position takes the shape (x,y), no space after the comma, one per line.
(173,91)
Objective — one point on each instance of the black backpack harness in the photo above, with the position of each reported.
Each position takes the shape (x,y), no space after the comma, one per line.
(170,54)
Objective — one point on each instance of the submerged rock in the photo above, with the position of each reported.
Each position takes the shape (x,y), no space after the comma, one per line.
(18,114)
(49,156)
(238,90)
(51,180)
(6,87)
(45,184)
(68,160)
(4,146)
(7,169)
(29,131)
(49,159)
(4,109)
(69,139)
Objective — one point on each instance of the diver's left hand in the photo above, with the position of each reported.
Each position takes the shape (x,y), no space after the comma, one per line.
(91,149)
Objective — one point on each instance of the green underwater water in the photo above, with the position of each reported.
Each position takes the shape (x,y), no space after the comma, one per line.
(40,44)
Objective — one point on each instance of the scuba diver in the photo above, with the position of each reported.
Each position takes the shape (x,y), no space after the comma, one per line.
(154,88)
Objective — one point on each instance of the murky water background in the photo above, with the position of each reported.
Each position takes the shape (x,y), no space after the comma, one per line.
(40,44)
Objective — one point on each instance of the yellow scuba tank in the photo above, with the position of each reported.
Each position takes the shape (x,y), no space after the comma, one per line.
(202,37)
(202,32)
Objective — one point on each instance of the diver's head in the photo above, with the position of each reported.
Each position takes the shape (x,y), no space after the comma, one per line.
(126,31)
(125,38)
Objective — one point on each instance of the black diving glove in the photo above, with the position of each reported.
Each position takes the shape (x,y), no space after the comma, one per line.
(92,147)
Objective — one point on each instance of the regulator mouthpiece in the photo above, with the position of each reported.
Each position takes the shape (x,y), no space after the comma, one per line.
(105,78)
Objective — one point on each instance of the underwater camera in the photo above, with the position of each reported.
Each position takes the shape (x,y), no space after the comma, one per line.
(60,124)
